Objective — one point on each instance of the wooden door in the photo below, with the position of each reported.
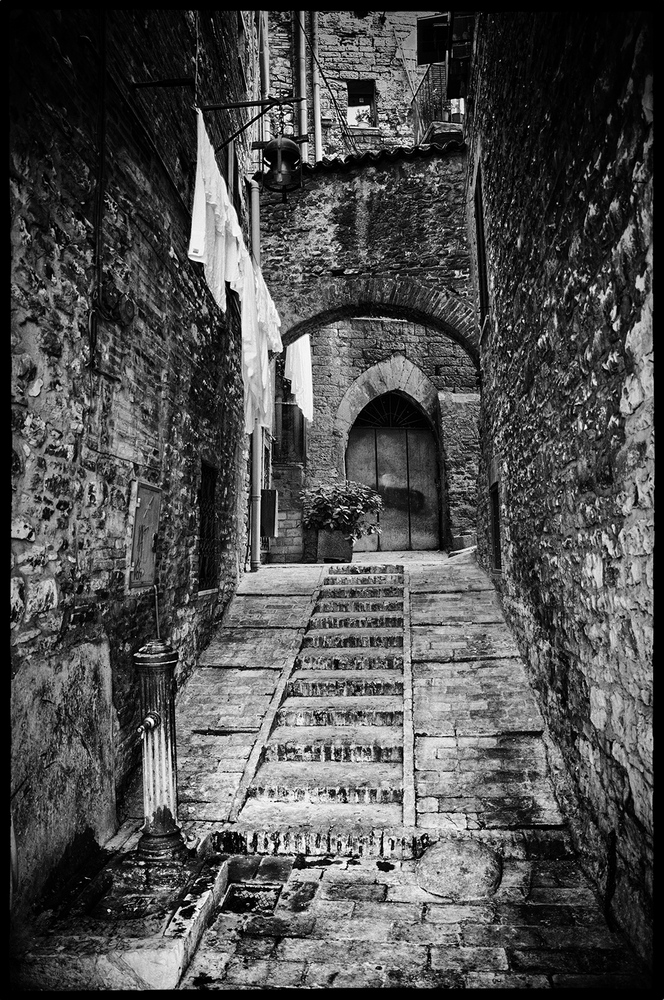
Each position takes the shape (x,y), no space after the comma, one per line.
(401,464)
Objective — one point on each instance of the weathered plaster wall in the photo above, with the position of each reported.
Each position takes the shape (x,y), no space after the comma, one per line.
(562,129)
(163,393)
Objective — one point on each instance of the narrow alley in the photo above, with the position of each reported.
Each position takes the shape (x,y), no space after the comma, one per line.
(332,499)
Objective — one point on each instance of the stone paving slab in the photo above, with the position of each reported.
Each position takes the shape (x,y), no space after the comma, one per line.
(447,578)
(283,580)
(267,611)
(462,642)
(481,698)
(274,648)
(479,607)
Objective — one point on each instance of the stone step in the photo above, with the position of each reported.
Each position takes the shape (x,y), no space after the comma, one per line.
(317,829)
(358,605)
(364,569)
(349,659)
(353,783)
(323,683)
(362,744)
(381,620)
(364,580)
(354,711)
(352,592)
(368,638)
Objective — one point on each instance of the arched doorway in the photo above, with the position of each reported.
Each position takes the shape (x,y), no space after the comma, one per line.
(391,447)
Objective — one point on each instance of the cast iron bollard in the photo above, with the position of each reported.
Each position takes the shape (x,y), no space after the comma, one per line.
(162,837)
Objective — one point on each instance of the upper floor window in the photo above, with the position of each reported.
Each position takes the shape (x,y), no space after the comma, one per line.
(432,39)
(362,103)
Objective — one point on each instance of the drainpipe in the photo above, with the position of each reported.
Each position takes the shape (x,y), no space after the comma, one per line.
(264,49)
(302,82)
(315,75)
(257,440)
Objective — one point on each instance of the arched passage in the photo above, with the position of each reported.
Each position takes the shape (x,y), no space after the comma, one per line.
(435,369)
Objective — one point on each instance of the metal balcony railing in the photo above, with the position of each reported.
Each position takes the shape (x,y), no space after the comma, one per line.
(431,103)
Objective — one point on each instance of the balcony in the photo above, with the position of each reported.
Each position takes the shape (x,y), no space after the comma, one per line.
(435,114)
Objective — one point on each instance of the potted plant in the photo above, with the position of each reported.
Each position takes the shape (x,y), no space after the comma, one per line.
(339,513)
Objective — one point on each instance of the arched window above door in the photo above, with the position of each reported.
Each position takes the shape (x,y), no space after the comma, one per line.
(392,409)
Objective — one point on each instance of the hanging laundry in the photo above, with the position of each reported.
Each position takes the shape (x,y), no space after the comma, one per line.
(216,242)
(297,369)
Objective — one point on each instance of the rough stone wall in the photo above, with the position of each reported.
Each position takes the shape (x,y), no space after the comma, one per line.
(561,125)
(376,45)
(384,216)
(145,395)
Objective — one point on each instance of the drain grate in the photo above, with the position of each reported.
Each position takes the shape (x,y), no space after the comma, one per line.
(249,897)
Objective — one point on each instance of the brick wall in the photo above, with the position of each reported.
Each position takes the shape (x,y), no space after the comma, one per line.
(562,131)
(163,393)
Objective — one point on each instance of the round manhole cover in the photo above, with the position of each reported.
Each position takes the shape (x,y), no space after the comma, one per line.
(459,870)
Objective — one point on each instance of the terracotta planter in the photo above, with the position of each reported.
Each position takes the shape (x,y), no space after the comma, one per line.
(333,546)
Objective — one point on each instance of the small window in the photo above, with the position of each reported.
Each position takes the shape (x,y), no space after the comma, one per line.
(208,568)
(362,103)
(290,433)
(482,282)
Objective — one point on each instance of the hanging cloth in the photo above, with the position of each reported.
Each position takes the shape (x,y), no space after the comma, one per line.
(216,242)
(298,369)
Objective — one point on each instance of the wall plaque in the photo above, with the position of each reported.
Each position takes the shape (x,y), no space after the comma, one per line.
(146,525)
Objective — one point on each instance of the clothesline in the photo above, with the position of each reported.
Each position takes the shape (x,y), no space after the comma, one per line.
(216,241)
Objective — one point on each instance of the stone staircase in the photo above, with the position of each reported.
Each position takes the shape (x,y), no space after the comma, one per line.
(331,775)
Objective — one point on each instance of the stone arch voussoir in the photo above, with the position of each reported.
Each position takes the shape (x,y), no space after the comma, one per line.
(335,298)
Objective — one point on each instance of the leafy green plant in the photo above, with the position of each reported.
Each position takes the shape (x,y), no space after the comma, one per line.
(345,506)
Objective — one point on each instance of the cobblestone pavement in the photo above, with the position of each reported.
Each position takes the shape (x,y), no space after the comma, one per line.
(483,892)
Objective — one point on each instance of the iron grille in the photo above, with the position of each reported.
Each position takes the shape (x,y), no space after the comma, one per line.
(391,410)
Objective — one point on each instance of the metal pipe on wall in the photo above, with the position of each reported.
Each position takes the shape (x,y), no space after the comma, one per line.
(315,82)
(302,81)
(264,44)
(257,437)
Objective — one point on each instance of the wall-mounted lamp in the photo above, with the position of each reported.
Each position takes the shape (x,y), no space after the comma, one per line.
(283,160)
